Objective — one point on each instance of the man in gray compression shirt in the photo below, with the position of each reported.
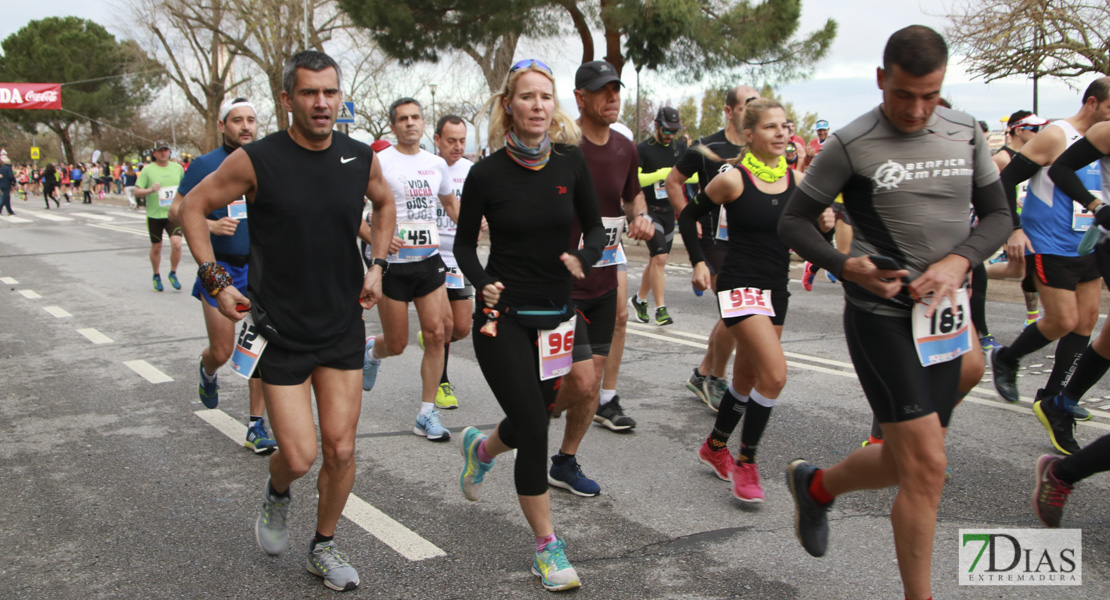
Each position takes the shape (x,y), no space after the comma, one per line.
(907,170)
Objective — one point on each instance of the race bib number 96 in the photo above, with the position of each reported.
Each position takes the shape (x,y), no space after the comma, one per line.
(556,346)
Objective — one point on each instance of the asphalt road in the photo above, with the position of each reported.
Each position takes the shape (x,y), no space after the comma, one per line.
(113,486)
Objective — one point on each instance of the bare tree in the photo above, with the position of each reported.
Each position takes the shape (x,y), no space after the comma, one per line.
(1054,38)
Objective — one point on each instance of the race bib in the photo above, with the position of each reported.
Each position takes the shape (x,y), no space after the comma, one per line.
(248,349)
(660,190)
(420,240)
(947,334)
(166,194)
(613,254)
(238,209)
(722,225)
(745,301)
(455,279)
(556,346)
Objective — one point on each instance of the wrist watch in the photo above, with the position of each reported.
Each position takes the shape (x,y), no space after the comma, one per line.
(381,262)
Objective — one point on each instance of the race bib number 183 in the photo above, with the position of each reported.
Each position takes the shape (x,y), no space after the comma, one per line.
(947,334)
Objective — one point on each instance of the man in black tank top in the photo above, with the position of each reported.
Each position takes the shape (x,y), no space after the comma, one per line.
(304,290)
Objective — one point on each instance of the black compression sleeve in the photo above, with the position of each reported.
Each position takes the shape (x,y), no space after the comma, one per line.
(687,225)
(1063,171)
(1020,169)
(798,229)
(994,224)
(466,233)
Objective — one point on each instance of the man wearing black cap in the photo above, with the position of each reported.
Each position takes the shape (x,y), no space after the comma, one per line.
(160,180)
(613,163)
(658,154)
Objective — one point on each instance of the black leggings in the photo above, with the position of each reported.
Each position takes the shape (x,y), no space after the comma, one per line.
(510,365)
(1093,458)
(978,299)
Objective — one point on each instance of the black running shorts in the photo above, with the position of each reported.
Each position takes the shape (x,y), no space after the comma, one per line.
(405,281)
(662,218)
(281,367)
(896,385)
(155,227)
(593,331)
(1061,272)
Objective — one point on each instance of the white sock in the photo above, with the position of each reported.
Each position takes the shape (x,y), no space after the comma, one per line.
(426,407)
(208,377)
(607,395)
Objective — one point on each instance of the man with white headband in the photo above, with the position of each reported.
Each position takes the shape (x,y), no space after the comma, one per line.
(231,243)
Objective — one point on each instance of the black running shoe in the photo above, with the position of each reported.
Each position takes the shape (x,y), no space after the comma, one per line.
(1005,377)
(1060,426)
(612,416)
(811,522)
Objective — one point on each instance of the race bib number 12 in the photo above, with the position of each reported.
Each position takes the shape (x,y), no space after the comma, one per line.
(556,346)
(248,349)
(947,334)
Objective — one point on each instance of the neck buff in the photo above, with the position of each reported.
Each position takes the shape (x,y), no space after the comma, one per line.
(529,158)
(762,171)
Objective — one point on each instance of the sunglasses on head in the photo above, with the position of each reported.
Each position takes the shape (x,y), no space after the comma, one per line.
(1033,128)
(529,62)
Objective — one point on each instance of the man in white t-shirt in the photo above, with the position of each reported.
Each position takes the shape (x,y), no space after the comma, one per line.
(416,272)
(450,139)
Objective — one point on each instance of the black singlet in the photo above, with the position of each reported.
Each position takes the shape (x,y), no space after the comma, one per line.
(306,273)
(655,156)
(695,162)
(755,254)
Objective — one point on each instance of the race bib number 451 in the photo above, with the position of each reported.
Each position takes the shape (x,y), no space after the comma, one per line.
(419,240)
(947,334)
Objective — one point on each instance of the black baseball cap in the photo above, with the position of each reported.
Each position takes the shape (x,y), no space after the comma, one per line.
(667,117)
(594,75)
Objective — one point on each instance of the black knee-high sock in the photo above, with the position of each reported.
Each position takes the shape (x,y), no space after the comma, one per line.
(1088,371)
(1068,351)
(1029,341)
(755,421)
(446,355)
(1093,458)
(728,417)
(876,429)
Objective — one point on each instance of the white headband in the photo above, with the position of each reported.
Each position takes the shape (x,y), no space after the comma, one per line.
(230,106)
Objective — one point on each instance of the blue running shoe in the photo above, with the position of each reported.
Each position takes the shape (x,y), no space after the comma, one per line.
(209,391)
(988,343)
(173,280)
(158,283)
(569,476)
(428,425)
(258,439)
(474,470)
(370,366)
(553,568)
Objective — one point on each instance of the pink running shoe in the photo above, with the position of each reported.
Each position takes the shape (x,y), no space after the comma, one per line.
(720,460)
(745,482)
(808,273)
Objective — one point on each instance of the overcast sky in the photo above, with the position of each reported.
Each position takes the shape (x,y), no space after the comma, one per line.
(843,85)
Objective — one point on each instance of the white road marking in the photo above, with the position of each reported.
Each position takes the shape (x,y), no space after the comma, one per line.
(9,280)
(92,216)
(118,228)
(406,542)
(30,294)
(48,216)
(10,219)
(147,371)
(95,336)
(57,311)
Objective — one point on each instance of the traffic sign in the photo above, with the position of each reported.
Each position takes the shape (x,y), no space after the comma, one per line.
(34,152)
(346,113)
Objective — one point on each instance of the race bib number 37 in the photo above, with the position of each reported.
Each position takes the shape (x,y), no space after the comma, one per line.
(745,301)
(947,334)
(556,346)
(166,194)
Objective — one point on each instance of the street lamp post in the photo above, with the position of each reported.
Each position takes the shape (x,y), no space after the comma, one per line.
(432,89)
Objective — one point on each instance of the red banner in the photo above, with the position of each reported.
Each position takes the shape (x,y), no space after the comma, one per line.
(31,95)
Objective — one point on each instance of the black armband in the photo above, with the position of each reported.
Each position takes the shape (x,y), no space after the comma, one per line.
(1063,171)
(687,225)
(1020,169)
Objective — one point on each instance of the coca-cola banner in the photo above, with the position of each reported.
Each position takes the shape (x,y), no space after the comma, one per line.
(31,95)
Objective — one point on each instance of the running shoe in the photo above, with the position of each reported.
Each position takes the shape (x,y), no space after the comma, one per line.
(158,283)
(662,317)
(639,308)
(209,391)
(370,366)
(811,518)
(1060,426)
(569,476)
(553,568)
(720,460)
(715,388)
(173,280)
(612,416)
(1080,413)
(259,440)
(807,276)
(271,530)
(1049,494)
(445,397)
(696,384)
(428,425)
(988,343)
(330,564)
(1005,377)
(745,482)
(474,470)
